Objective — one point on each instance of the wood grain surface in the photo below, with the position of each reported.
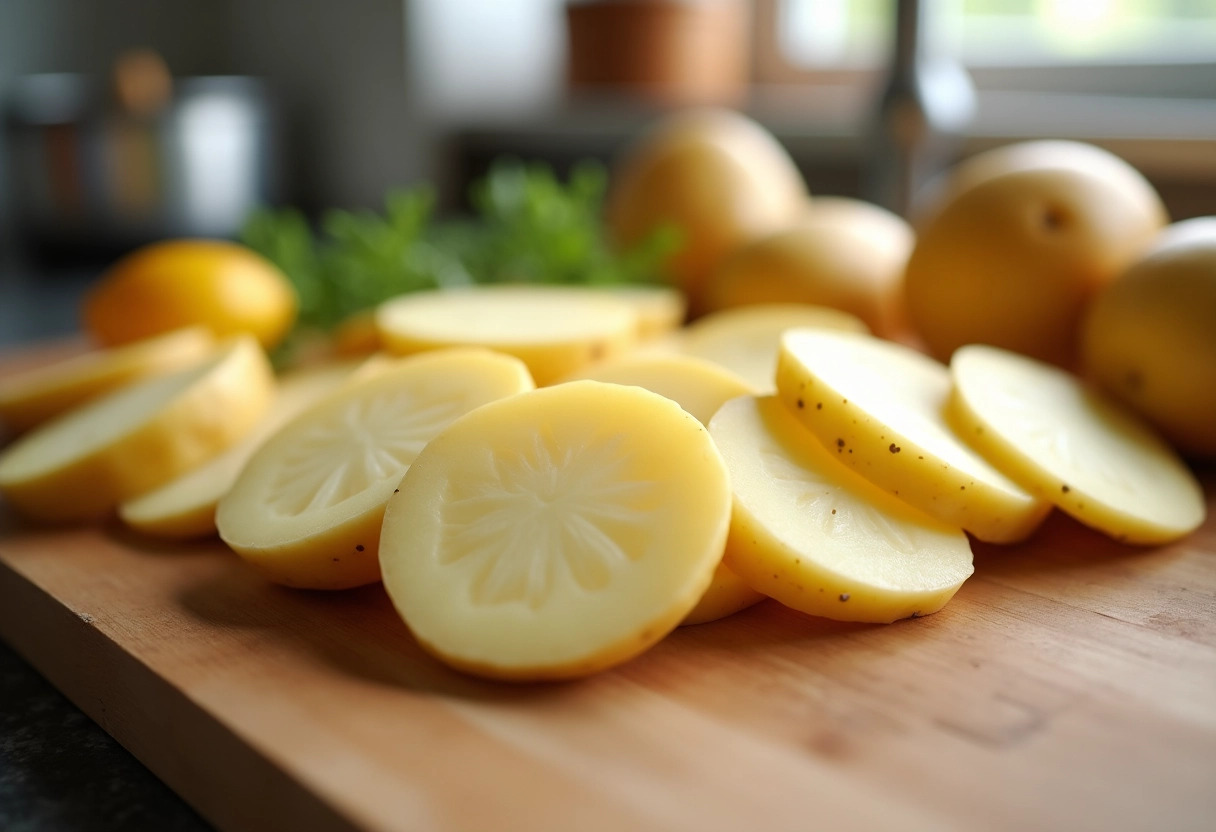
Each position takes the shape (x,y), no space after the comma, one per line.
(1070,685)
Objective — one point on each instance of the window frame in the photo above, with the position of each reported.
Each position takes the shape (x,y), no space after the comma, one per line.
(1175,80)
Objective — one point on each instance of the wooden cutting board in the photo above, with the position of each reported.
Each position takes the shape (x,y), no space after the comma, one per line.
(1070,685)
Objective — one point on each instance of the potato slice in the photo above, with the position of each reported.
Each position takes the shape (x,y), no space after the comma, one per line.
(660,309)
(745,340)
(821,539)
(306,509)
(700,388)
(35,396)
(878,407)
(81,466)
(557,533)
(185,507)
(552,330)
(1073,446)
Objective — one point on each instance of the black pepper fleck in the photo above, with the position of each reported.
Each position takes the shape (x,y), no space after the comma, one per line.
(359,547)
(893,448)
(819,406)
(801,404)
(844,596)
(1065,489)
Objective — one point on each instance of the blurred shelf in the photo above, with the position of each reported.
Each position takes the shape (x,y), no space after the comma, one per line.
(1172,141)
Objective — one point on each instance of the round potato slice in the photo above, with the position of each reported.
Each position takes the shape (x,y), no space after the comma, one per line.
(306,508)
(1073,446)
(185,507)
(553,330)
(81,466)
(745,340)
(821,539)
(700,388)
(660,309)
(878,407)
(557,533)
(35,396)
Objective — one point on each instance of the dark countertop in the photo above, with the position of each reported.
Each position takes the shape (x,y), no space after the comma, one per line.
(60,772)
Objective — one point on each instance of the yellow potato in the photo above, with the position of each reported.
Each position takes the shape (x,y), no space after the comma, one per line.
(82,465)
(717,176)
(844,254)
(1150,337)
(306,509)
(185,507)
(821,539)
(1050,154)
(178,283)
(30,398)
(746,340)
(553,330)
(878,408)
(1071,445)
(1014,261)
(660,309)
(556,533)
(699,387)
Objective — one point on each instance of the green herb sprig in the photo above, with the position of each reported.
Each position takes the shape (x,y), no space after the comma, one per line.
(528,227)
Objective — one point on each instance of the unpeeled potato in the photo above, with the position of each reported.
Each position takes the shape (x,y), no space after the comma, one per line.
(843,253)
(1048,154)
(717,176)
(1014,261)
(1150,338)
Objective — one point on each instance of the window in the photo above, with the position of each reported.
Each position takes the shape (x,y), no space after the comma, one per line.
(1154,45)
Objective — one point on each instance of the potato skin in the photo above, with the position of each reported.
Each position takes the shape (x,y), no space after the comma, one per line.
(1045,154)
(839,263)
(1150,338)
(716,175)
(1015,261)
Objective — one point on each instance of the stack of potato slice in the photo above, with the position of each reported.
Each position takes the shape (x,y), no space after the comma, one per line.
(548,482)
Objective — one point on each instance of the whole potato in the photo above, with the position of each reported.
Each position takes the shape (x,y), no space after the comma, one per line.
(843,253)
(717,176)
(1014,261)
(1047,154)
(1150,337)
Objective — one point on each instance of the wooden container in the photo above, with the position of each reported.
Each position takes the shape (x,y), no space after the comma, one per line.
(668,52)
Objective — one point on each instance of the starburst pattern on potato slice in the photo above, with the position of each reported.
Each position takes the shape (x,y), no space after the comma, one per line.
(835,510)
(544,513)
(373,439)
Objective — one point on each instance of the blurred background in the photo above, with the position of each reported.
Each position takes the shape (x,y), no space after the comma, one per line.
(131,120)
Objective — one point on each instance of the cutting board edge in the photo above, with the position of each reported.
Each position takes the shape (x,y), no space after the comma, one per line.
(118,692)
